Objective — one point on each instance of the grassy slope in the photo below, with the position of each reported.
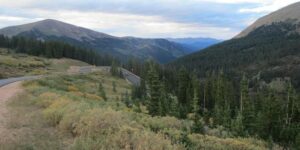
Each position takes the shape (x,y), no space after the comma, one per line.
(71,108)
(13,65)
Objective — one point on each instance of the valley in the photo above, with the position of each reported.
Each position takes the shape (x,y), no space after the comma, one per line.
(152,83)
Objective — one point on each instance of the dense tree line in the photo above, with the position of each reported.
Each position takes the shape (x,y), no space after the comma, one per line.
(54,49)
(244,107)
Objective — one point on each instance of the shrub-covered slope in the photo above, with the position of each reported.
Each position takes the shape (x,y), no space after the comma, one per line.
(77,108)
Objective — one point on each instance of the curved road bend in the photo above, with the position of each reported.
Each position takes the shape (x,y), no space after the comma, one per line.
(129,76)
(132,78)
(4,82)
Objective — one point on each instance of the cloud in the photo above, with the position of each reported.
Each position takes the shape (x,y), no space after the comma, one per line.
(234,1)
(13,20)
(156,18)
(268,6)
(120,24)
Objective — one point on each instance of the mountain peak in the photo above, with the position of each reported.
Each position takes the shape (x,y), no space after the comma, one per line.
(51,27)
(160,50)
(290,13)
(50,22)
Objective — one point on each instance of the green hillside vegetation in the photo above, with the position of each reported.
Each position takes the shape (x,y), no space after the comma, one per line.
(269,51)
(15,64)
(246,107)
(70,113)
(54,49)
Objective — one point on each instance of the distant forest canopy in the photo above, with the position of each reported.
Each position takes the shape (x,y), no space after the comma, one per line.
(54,49)
(268,52)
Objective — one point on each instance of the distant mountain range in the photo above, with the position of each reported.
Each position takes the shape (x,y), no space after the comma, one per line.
(160,50)
(267,49)
(195,44)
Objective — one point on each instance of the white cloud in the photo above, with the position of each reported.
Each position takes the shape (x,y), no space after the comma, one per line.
(13,20)
(138,25)
(156,18)
(234,1)
(268,6)
(17,3)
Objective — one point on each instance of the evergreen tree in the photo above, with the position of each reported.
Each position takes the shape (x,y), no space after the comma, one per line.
(164,101)
(297,141)
(198,126)
(195,100)
(243,92)
(182,92)
(247,106)
(154,92)
(290,104)
(237,126)
(196,106)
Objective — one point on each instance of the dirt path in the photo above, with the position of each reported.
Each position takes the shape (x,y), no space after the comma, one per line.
(6,93)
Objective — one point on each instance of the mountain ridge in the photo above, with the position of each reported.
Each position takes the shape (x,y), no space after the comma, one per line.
(268,52)
(160,50)
(287,14)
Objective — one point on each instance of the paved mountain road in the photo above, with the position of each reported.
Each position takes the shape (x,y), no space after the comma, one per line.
(129,76)
(12,80)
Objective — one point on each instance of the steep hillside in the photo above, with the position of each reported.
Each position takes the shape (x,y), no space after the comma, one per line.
(160,50)
(269,51)
(290,14)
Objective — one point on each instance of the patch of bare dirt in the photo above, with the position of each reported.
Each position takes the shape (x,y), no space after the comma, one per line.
(6,93)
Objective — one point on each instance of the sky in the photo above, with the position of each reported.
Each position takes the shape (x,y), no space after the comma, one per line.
(220,19)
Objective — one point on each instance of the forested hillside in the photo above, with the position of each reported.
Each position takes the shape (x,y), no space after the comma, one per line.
(53,49)
(243,107)
(249,84)
(268,52)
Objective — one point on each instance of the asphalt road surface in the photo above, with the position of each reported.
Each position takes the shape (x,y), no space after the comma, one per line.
(12,80)
(132,78)
(129,76)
